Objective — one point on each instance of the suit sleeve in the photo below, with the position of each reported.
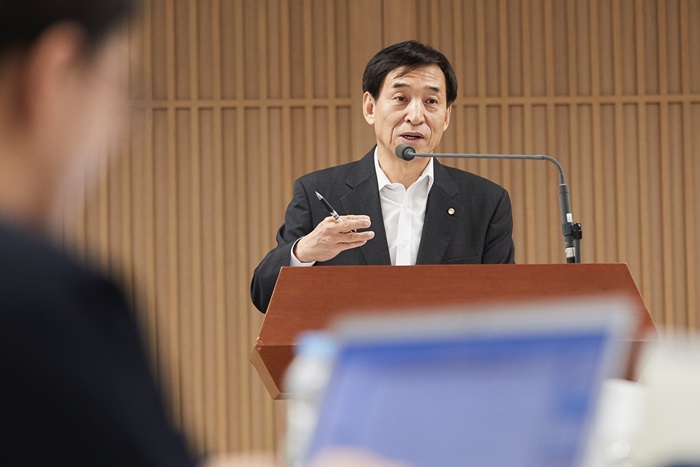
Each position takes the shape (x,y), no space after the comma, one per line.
(297,223)
(499,248)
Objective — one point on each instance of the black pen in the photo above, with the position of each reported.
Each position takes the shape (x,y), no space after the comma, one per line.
(328,206)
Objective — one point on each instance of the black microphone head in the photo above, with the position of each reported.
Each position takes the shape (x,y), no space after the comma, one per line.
(405,152)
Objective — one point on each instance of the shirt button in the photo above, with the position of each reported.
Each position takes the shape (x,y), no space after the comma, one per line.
(403,244)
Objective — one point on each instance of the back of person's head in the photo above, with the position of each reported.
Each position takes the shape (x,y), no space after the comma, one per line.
(408,55)
(23,21)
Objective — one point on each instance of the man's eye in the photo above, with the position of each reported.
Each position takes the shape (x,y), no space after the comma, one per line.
(400,98)
(432,101)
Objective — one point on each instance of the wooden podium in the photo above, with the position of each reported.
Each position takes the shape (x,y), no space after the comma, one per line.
(309,298)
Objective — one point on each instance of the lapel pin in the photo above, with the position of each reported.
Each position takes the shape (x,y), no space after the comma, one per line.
(451,211)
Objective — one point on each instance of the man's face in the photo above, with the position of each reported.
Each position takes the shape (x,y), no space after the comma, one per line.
(410,109)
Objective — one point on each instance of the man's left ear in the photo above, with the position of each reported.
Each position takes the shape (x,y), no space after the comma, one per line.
(447,117)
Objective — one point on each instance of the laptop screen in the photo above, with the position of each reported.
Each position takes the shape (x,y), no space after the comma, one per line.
(500,388)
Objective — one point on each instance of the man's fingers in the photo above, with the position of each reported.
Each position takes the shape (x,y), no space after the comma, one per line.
(351,238)
(355,239)
(347,223)
(355,222)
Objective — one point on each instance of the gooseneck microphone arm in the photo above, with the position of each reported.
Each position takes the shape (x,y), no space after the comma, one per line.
(572,231)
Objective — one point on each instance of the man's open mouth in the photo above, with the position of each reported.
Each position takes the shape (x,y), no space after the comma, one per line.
(411,136)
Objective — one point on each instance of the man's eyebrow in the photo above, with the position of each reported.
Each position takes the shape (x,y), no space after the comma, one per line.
(399,84)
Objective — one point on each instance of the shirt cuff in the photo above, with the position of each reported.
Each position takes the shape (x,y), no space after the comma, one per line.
(293,261)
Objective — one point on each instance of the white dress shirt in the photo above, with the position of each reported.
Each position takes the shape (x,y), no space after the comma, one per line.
(403,212)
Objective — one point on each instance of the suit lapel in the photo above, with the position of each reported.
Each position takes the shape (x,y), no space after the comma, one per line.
(364,199)
(442,215)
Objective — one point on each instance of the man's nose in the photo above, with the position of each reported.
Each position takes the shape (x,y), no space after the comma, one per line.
(415,112)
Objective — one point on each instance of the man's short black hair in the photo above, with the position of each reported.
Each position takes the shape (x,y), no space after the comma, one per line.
(23,21)
(408,55)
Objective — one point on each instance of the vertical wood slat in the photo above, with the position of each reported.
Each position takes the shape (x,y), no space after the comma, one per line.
(308,86)
(435,25)
(503,88)
(332,88)
(688,174)
(574,145)
(243,381)
(195,219)
(458,111)
(666,207)
(171,316)
(551,144)
(620,174)
(481,77)
(598,175)
(288,176)
(528,143)
(643,194)
(241,417)
(265,433)
(221,432)
(366,26)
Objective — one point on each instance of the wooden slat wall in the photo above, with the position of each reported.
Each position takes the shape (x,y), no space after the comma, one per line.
(234,99)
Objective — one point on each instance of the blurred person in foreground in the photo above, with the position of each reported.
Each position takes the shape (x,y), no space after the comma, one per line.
(76,385)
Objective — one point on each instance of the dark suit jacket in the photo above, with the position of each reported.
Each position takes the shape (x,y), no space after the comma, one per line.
(479,231)
(76,384)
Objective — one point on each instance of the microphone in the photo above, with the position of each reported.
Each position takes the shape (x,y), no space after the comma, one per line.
(405,152)
(572,231)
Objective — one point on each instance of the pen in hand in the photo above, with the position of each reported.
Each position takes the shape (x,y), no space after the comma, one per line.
(328,206)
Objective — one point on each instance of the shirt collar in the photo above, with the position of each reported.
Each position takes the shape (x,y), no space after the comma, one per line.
(383,180)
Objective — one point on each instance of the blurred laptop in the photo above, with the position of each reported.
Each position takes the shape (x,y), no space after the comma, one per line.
(513,386)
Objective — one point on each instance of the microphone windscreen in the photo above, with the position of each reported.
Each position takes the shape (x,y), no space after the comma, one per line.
(405,152)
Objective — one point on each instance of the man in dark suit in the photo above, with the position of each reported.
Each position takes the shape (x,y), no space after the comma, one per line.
(398,212)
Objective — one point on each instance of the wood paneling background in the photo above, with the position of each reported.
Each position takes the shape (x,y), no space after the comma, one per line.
(234,99)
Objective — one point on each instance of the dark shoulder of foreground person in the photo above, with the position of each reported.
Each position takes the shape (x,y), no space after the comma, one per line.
(77,387)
